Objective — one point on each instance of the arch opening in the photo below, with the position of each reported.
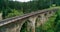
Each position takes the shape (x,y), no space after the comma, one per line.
(24,26)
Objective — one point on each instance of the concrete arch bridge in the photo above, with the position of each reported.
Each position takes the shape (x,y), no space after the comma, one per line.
(14,24)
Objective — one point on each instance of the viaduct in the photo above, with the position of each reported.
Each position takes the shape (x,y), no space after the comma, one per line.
(14,24)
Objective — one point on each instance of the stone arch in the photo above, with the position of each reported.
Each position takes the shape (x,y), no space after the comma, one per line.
(24,26)
(29,22)
(43,18)
(45,14)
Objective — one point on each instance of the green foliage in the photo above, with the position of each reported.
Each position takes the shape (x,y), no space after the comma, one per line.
(36,5)
(51,30)
(57,2)
(49,25)
(7,7)
(14,13)
(52,25)
(7,13)
(57,22)
(44,4)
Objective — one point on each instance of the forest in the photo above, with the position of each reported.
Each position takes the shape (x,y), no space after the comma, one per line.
(10,8)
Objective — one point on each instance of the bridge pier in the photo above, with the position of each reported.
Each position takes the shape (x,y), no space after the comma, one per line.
(38,21)
(28,26)
(47,16)
(51,13)
(32,23)
(43,18)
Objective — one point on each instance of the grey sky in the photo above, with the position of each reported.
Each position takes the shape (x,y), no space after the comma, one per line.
(22,0)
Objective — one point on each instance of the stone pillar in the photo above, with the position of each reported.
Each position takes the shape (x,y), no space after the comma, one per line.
(32,22)
(28,26)
(52,13)
(47,15)
(42,18)
(38,22)
(0,16)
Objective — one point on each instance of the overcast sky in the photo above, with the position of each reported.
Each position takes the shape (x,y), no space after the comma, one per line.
(22,0)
